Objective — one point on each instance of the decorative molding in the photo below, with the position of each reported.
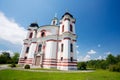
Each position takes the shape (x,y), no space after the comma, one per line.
(66,19)
(68,38)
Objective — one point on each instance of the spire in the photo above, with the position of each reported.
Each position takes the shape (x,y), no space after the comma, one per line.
(67,10)
(56,15)
(54,20)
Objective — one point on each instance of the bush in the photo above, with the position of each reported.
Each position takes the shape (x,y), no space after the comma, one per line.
(114,68)
(12,65)
(27,66)
(81,65)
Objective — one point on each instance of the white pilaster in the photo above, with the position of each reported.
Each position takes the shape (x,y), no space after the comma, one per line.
(66,49)
(23,51)
(32,50)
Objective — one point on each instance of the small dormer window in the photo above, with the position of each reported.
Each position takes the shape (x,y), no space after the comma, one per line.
(42,34)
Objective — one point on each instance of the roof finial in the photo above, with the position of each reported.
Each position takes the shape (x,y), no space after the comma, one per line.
(66,10)
(36,20)
(55,14)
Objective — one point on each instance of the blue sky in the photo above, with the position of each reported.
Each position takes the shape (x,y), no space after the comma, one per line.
(97,23)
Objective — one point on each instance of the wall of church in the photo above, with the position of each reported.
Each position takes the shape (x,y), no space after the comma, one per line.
(55,41)
(50,54)
(31,53)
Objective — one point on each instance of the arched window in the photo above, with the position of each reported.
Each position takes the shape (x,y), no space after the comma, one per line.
(61,47)
(39,48)
(71,28)
(53,22)
(42,34)
(71,47)
(62,28)
(27,50)
(30,36)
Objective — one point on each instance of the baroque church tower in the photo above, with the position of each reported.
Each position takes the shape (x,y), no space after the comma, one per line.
(51,46)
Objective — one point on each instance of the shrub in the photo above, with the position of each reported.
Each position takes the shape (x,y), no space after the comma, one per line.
(82,66)
(12,65)
(114,68)
(27,66)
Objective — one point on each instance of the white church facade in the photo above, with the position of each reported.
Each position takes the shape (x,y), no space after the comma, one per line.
(51,46)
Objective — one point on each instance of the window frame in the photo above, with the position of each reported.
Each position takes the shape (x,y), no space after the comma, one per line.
(62,46)
(27,50)
(31,34)
(62,28)
(71,28)
(71,47)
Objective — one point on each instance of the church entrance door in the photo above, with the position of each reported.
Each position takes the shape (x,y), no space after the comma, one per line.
(37,61)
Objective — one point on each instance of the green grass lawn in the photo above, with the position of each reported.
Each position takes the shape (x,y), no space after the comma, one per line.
(27,75)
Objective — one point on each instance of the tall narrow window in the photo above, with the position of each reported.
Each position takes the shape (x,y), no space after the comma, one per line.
(27,49)
(61,58)
(71,59)
(61,47)
(71,47)
(30,36)
(71,28)
(42,34)
(63,28)
(39,48)
(53,22)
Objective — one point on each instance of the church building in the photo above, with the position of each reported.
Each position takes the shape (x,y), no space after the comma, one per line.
(51,46)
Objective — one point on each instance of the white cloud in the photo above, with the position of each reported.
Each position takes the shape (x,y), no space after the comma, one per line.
(108,53)
(99,45)
(77,46)
(87,58)
(77,52)
(9,51)
(99,58)
(79,58)
(91,52)
(10,30)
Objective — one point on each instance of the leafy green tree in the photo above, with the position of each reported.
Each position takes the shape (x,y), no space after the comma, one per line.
(2,59)
(82,65)
(111,59)
(103,64)
(118,58)
(5,58)
(15,58)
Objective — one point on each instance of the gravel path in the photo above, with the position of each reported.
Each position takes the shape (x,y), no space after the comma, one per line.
(3,67)
(46,70)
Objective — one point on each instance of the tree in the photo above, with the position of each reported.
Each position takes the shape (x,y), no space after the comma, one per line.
(6,54)
(2,59)
(103,64)
(111,59)
(15,58)
(82,65)
(5,58)
(118,58)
